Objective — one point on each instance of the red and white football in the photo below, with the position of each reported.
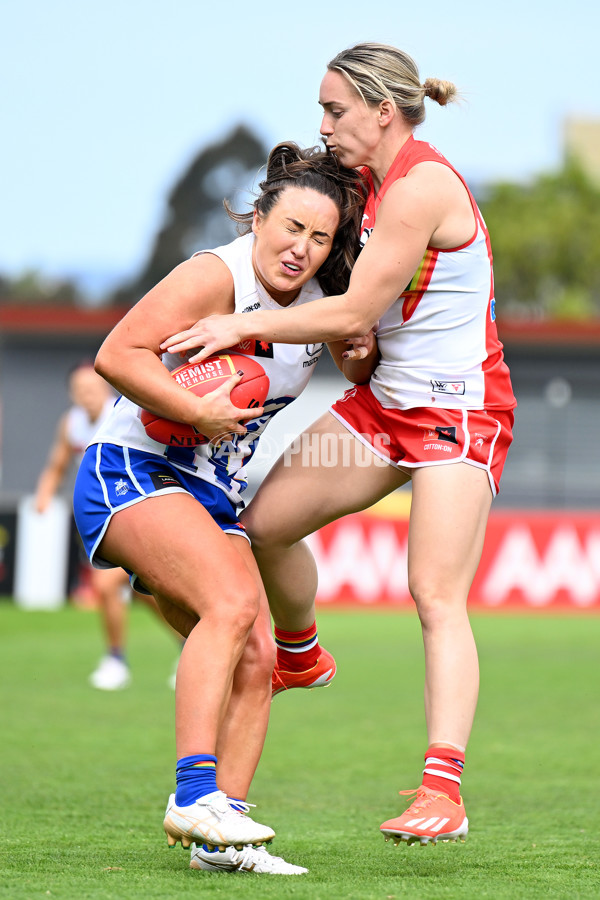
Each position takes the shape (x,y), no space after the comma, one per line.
(202,378)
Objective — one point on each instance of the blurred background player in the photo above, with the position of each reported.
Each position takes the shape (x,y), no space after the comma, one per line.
(92,399)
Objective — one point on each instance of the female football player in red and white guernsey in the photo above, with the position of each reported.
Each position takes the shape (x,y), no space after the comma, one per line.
(437,410)
(170,515)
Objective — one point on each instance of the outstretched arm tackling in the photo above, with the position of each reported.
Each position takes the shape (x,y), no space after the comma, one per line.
(407,217)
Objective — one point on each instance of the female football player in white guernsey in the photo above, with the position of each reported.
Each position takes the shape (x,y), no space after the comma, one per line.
(437,410)
(170,515)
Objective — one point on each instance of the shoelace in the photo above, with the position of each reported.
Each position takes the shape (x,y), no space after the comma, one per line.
(220,806)
(223,806)
(279,679)
(245,807)
(266,859)
(422,800)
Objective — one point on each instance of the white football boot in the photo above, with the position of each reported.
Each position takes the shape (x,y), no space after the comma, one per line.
(249,859)
(112,674)
(212,821)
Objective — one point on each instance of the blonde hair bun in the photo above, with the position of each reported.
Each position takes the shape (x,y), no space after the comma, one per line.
(441,91)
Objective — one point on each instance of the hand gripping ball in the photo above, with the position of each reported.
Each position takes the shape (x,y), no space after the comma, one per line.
(202,378)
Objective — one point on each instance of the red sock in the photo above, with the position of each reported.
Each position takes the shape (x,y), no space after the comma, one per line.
(297,651)
(443,769)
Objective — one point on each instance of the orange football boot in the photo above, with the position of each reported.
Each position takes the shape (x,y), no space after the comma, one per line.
(320,675)
(432,816)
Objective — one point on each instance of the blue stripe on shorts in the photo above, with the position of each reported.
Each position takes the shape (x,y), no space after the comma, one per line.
(111,478)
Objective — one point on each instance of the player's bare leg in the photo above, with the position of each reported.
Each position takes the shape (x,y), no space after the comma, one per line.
(315,493)
(242,734)
(443,555)
(203,578)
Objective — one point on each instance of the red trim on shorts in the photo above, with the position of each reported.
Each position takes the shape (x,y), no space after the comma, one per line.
(427,436)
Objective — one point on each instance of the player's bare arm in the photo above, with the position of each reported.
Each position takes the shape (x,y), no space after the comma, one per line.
(130,356)
(408,216)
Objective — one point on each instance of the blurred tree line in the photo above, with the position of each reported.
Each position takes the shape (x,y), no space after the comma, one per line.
(546,244)
(194,218)
(195,215)
(545,234)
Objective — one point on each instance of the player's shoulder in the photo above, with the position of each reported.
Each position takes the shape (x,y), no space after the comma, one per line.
(202,276)
(234,253)
(206,264)
(429,183)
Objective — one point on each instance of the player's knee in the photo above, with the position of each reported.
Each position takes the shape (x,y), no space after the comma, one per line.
(435,604)
(265,656)
(256,527)
(258,661)
(265,533)
(239,608)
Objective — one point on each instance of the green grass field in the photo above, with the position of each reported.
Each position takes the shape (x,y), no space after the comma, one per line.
(85,775)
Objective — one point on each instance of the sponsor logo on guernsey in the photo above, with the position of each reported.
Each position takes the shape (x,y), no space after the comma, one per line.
(187,440)
(245,346)
(251,347)
(121,487)
(314,352)
(252,307)
(263,349)
(447,387)
(314,349)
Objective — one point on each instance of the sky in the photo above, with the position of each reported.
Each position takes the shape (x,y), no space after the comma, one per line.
(104,105)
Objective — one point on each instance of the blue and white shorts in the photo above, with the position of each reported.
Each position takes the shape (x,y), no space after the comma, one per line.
(111,478)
